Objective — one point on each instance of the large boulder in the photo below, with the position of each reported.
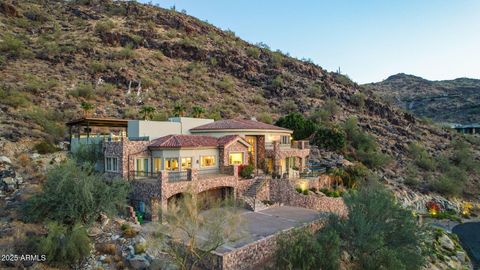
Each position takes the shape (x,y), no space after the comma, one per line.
(140,262)
(9,180)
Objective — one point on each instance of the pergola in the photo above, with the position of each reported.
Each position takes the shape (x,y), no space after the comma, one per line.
(88,122)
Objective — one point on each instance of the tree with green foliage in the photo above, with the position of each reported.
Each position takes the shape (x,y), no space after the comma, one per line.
(362,146)
(198,111)
(179,109)
(87,108)
(147,112)
(379,233)
(63,245)
(302,128)
(75,194)
(330,137)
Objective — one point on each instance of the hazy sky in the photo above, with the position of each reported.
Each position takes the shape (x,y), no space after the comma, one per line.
(368,40)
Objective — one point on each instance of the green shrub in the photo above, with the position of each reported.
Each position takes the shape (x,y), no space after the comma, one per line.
(106,90)
(75,194)
(45,147)
(84,90)
(265,118)
(36,85)
(277,59)
(97,66)
(302,128)
(300,249)
(253,52)
(50,121)
(246,171)
(331,138)
(463,158)
(277,82)
(421,157)
(288,106)
(63,246)
(104,26)
(447,185)
(126,52)
(343,79)
(14,98)
(358,99)
(380,227)
(315,91)
(326,112)
(411,176)
(226,84)
(88,153)
(12,46)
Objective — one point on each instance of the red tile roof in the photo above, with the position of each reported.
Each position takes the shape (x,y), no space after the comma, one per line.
(179,141)
(238,124)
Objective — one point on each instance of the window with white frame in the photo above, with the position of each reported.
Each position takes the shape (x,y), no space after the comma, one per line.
(208,161)
(111,164)
(285,140)
(186,163)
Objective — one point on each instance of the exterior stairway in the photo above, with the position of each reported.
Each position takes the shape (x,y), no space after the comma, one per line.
(250,196)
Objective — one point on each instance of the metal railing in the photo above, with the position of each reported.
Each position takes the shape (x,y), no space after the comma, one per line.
(209,171)
(313,173)
(177,176)
(138,175)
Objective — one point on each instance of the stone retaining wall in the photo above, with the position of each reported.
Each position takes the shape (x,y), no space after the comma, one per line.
(282,191)
(255,255)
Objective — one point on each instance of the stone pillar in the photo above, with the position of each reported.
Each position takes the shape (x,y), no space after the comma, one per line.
(155,208)
(260,151)
(193,174)
(276,157)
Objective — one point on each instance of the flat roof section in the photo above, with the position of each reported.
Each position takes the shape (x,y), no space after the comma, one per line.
(99,122)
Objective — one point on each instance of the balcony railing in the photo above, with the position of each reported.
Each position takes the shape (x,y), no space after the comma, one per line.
(177,176)
(209,171)
(139,175)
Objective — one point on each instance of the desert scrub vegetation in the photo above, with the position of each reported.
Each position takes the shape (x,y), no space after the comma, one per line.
(14,47)
(358,99)
(331,137)
(35,84)
(50,122)
(253,52)
(362,146)
(84,90)
(14,98)
(75,194)
(448,172)
(104,26)
(377,234)
(315,90)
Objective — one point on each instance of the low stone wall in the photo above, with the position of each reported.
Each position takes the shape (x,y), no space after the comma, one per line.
(282,191)
(255,255)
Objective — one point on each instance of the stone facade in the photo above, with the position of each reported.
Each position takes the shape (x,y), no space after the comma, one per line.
(255,255)
(234,147)
(282,190)
(125,151)
(278,153)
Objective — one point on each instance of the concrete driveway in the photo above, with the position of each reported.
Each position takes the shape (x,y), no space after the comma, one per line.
(271,221)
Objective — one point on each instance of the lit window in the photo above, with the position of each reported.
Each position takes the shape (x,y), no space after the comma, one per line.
(111,164)
(186,163)
(171,164)
(142,165)
(157,164)
(208,161)
(235,158)
(285,140)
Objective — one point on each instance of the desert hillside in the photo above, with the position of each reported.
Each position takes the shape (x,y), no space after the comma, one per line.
(121,56)
(449,101)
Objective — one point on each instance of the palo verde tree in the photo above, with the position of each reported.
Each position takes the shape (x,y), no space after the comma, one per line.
(190,234)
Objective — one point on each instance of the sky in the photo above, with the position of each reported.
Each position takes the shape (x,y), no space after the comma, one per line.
(368,40)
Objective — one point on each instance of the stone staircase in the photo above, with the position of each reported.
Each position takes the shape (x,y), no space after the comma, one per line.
(250,196)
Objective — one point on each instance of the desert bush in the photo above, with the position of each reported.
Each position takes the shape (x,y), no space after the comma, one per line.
(300,249)
(343,79)
(379,233)
(50,121)
(13,98)
(411,176)
(126,52)
(45,147)
(421,157)
(302,128)
(226,84)
(463,158)
(277,82)
(358,99)
(258,99)
(276,58)
(253,52)
(64,246)
(13,47)
(104,26)
(106,90)
(315,91)
(447,185)
(35,85)
(84,90)
(288,106)
(97,66)
(75,194)
(326,112)
(265,118)
(330,137)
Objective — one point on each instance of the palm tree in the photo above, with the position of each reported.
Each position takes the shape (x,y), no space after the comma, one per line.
(87,108)
(179,109)
(338,175)
(147,112)
(197,111)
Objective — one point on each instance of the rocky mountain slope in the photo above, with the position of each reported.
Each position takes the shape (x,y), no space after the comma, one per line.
(120,56)
(449,101)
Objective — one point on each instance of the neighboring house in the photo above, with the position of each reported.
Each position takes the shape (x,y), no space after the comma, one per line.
(165,159)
